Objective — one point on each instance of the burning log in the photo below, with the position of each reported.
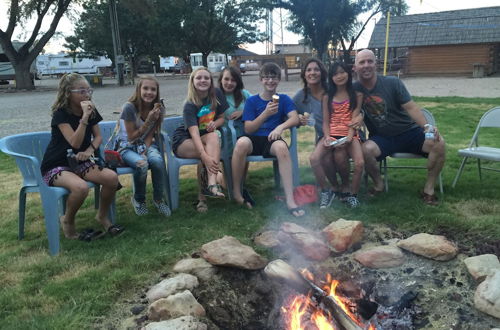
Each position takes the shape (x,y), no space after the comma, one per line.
(280,270)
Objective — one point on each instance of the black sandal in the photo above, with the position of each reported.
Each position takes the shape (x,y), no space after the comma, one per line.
(115,230)
(214,190)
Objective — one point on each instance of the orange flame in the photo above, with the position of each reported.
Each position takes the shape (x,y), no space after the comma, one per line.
(302,305)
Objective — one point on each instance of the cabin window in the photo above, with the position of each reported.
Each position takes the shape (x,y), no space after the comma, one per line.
(63,63)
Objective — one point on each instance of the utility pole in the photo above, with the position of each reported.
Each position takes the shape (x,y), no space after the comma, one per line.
(117,49)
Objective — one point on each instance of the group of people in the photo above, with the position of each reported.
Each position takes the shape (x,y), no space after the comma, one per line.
(337,107)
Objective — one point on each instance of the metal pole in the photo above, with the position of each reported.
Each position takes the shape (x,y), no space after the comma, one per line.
(115,34)
(386,41)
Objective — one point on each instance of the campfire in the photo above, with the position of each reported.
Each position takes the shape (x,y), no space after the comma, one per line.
(329,304)
(323,308)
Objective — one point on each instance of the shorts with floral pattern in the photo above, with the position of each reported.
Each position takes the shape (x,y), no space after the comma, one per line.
(80,170)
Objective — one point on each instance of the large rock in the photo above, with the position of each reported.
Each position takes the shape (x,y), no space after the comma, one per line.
(481,266)
(342,234)
(198,267)
(435,247)
(228,251)
(268,239)
(172,285)
(306,242)
(384,256)
(180,304)
(487,296)
(180,323)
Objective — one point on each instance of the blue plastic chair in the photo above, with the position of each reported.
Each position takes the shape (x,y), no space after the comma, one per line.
(174,163)
(293,155)
(28,150)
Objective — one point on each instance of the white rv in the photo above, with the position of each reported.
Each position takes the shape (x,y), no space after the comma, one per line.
(216,61)
(7,71)
(50,64)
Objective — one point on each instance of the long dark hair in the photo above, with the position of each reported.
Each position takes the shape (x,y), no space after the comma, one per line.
(332,88)
(323,78)
(236,75)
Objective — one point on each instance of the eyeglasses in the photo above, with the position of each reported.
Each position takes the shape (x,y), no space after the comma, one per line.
(82,91)
(269,78)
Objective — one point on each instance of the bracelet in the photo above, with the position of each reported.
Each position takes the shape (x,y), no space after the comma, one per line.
(84,123)
(92,146)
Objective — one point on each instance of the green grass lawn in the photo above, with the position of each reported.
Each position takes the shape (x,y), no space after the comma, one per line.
(82,285)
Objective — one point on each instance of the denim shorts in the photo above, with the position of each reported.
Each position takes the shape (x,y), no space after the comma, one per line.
(410,141)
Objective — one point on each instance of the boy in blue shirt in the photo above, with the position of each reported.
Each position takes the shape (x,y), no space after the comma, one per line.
(266,115)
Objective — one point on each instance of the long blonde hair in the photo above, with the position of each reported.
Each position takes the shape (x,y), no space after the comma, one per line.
(193,95)
(136,100)
(64,92)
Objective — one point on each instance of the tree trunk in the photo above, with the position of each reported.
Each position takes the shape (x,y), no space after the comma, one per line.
(204,59)
(24,80)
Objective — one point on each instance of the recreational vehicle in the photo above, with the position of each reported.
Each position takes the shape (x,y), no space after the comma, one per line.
(49,64)
(215,61)
(7,71)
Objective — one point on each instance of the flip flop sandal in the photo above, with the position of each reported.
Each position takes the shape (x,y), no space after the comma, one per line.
(86,235)
(297,210)
(201,206)
(247,198)
(215,191)
(429,199)
(115,230)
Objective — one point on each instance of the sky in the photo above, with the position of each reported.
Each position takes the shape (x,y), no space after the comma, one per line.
(416,7)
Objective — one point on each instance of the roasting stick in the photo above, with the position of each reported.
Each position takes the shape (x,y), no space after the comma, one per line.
(280,270)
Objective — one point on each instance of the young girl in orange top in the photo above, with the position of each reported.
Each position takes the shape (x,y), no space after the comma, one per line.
(340,106)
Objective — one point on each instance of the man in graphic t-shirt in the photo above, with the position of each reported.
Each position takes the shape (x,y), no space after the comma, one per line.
(396,124)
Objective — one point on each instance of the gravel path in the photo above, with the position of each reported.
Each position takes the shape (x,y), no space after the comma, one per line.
(22,111)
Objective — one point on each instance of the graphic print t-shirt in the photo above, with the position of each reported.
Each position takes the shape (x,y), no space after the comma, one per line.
(384,114)
(202,116)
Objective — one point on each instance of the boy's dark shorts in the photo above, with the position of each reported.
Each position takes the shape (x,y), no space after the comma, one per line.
(410,141)
(261,145)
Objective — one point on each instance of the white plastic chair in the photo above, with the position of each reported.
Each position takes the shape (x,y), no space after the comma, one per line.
(405,155)
(490,119)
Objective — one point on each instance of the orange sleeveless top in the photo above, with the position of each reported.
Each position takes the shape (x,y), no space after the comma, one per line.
(340,118)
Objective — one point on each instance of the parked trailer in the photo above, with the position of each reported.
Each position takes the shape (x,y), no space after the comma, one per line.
(49,64)
(7,71)
(216,61)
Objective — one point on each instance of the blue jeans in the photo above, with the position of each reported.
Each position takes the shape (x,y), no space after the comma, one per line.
(154,161)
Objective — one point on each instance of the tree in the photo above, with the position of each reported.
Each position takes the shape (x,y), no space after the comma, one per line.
(19,12)
(136,20)
(333,21)
(218,26)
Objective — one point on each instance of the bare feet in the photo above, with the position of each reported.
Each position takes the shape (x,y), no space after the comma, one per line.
(105,222)
(69,229)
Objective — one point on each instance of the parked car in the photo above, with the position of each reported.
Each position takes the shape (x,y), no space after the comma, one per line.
(243,67)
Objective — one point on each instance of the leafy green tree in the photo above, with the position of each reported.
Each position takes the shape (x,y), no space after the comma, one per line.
(219,26)
(19,12)
(333,21)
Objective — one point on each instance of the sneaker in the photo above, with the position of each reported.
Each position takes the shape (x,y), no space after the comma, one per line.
(139,207)
(162,208)
(325,198)
(352,201)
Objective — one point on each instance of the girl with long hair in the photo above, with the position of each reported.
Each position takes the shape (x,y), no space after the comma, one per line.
(67,162)
(340,106)
(197,138)
(140,124)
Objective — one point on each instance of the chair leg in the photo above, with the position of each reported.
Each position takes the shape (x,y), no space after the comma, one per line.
(52,208)
(386,179)
(22,212)
(276,171)
(97,196)
(173,178)
(479,169)
(295,170)
(441,184)
(228,175)
(460,169)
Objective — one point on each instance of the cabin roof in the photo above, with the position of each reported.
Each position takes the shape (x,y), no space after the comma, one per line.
(468,26)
